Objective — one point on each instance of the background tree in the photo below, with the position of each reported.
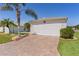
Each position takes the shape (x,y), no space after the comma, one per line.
(77,27)
(18,7)
(27,27)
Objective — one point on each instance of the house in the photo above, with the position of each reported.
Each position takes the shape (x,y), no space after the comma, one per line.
(15,29)
(5,29)
(48,26)
(12,29)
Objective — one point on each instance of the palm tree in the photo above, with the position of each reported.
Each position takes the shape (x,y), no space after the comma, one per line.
(27,26)
(32,13)
(18,8)
(7,23)
(2,23)
(12,25)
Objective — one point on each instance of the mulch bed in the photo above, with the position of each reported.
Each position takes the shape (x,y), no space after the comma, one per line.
(21,37)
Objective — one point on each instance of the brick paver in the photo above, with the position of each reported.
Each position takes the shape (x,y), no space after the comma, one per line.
(33,45)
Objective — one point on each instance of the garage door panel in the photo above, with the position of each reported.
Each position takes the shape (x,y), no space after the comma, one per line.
(47,29)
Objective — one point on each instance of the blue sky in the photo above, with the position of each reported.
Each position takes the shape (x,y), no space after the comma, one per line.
(46,10)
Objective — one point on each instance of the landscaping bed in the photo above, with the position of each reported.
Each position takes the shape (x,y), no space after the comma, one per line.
(69,47)
(22,35)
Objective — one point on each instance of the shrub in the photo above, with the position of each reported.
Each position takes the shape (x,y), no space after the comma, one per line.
(77,27)
(67,33)
(24,33)
(27,27)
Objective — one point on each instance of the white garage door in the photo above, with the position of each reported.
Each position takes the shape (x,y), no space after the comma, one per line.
(46,29)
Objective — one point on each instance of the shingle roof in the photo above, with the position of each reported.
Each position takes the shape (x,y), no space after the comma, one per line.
(50,20)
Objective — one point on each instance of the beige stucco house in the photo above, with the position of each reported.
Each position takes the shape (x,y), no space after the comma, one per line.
(48,26)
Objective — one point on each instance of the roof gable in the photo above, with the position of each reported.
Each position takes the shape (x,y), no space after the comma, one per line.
(50,20)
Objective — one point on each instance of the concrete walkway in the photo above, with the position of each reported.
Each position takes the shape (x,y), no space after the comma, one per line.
(33,45)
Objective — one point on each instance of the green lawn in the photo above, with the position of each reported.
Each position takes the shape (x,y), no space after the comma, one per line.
(77,34)
(4,38)
(69,47)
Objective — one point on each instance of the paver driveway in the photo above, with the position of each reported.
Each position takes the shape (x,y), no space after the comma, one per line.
(33,45)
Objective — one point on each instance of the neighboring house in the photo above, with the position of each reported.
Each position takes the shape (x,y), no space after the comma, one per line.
(6,29)
(15,29)
(12,29)
(48,26)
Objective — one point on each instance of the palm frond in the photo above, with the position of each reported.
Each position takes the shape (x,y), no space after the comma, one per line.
(31,13)
(6,7)
(23,4)
(13,24)
(19,4)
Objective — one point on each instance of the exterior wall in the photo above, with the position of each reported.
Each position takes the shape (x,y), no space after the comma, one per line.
(48,29)
(15,29)
(1,29)
(63,25)
(6,29)
(12,29)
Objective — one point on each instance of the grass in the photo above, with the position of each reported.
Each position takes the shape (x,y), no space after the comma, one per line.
(4,38)
(77,34)
(69,47)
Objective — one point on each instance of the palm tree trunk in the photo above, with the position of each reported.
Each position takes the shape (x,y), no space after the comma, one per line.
(18,30)
(13,29)
(18,19)
(9,30)
(3,29)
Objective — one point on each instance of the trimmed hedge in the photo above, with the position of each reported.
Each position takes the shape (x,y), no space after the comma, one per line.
(67,33)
